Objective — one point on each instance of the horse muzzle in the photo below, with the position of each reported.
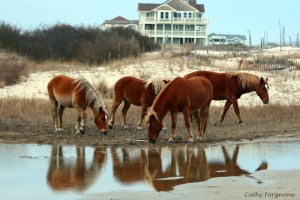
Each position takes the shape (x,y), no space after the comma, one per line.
(152,140)
(266,101)
(104,132)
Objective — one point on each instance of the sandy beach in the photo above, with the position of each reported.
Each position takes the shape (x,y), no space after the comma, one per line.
(266,184)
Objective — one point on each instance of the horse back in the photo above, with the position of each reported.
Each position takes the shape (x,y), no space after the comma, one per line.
(193,93)
(223,86)
(63,90)
(131,89)
(200,91)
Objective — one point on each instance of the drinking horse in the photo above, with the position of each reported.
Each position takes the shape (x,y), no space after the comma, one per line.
(77,93)
(181,95)
(135,91)
(231,86)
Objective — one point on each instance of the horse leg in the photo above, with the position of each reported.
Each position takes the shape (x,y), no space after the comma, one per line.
(196,115)
(54,104)
(77,126)
(60,114)
(225,109)
(187,121)
(117,101)
(236,109)
(203,120)
(124,113)
(83,119)
(174,122)
(143,113)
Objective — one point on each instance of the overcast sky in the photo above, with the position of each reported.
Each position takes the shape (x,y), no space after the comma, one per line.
(227,16)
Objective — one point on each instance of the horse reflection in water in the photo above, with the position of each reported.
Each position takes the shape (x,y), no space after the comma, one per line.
(187,165)
(63,174)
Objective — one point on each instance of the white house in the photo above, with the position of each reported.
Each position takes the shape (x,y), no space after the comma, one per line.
(217,39)
(174,22)
(120,22)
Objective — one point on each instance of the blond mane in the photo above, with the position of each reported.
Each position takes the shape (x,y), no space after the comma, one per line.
(157,82)
(245,80)
(92,95)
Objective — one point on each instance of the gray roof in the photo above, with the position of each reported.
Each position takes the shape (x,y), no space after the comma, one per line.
(178,5)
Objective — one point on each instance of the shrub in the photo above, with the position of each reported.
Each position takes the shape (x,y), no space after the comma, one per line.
(66,43)
(11,71)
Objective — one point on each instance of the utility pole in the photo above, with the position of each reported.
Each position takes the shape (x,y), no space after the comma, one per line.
(283,35)
(280,34)
(249,39)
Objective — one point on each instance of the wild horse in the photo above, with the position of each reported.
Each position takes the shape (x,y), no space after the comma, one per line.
(231,86)
(77,93)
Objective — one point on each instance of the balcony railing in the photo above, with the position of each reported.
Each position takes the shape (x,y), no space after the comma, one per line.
(175,20)
(161,33)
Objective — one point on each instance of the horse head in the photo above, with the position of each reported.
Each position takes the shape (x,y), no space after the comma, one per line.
(101,120)
(154,126)
(262,90)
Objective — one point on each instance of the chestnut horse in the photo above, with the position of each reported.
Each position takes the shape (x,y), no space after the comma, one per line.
(181,95)
(231,86)
(134,91)
(77,93)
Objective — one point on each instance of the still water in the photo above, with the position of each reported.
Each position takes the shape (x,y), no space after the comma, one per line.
(66,172)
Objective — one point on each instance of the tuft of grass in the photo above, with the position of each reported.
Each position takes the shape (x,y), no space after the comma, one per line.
(102,87)
(12,70)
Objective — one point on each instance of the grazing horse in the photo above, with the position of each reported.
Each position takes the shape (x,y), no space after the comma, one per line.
(77,93)
(135,91)
(231,86)
(181,95)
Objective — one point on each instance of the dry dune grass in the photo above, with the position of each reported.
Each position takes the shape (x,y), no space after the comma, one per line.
(30,121)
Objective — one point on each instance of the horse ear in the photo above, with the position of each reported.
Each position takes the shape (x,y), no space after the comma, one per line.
(266,80)
(101,110)
(166,81)
(262,80)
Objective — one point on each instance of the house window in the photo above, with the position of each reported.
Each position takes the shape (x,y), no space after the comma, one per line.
(177,15)
(149,14)
(190,15)
(185,15)
(187,27)
(164,15)
(176,27)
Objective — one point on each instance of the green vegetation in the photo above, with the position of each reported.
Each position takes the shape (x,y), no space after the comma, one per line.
(68,43)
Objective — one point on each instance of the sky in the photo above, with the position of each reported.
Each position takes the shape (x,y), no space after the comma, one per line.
(226,16)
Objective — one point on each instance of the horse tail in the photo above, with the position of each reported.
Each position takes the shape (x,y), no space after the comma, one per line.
(50,90)
(205,112)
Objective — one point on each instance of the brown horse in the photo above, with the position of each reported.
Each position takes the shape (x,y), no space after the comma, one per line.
(77,93)
(135,91)
(181,95)
(231,86)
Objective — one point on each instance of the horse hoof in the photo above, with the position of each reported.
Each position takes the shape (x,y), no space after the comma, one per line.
(139,127)
(125,127)
(190,141)
(110,126)
(81,132)
(171,140)
(241,123)
(164,128)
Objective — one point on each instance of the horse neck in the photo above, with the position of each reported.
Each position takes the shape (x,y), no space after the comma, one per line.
(161,109)
(95,105)
(249,87)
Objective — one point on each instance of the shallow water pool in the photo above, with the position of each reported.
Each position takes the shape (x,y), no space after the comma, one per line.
(66,172)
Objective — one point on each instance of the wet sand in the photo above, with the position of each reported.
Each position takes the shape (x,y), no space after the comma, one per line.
(266,184)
